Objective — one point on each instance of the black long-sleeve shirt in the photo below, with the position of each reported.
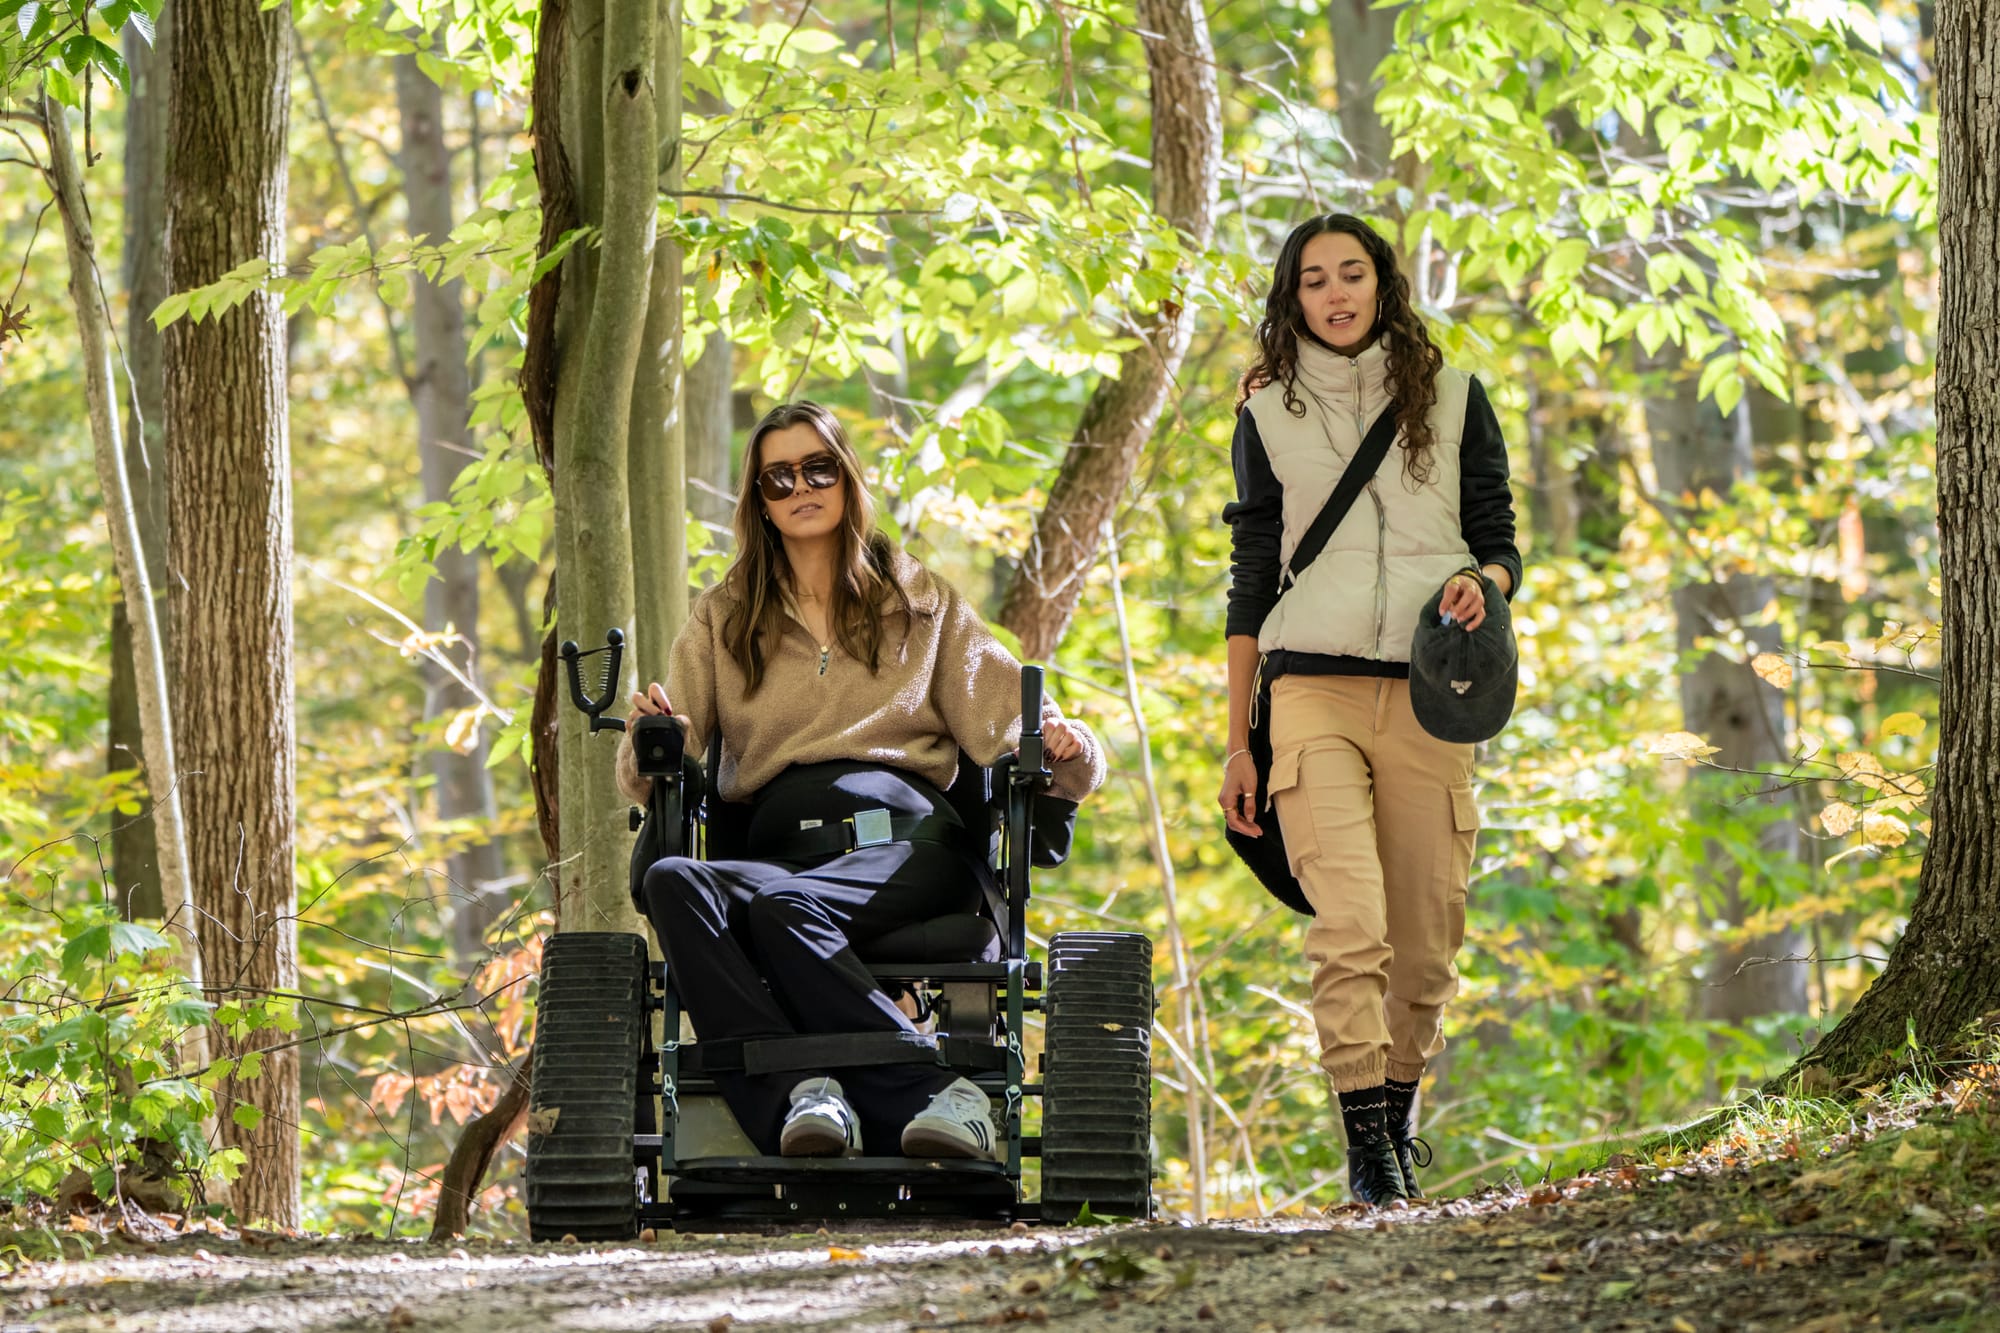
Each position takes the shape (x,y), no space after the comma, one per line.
(1485,516)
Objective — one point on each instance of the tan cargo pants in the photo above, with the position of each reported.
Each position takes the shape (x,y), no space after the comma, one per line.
(1379,825)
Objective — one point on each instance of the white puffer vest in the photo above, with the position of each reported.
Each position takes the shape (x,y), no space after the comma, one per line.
(1399,542)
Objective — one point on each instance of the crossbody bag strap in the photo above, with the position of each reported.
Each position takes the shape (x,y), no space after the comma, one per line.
(1360,471)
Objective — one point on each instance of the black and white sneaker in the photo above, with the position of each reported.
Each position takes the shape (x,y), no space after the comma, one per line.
(957,1123)
(820,1123)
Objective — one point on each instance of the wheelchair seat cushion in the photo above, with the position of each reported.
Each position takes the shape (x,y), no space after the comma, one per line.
(943,939)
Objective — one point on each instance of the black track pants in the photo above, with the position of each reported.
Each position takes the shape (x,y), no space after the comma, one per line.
(765,949)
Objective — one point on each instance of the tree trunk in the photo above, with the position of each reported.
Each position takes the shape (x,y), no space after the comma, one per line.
(441,392)
(614,148)
(1118,420)
(148,657)
(657,459)
(541,373)
(1697,449)
(1945,971)
(1552,507)
(473,1154)
(230,553)
(711,423)
(1363,35)
(135,854)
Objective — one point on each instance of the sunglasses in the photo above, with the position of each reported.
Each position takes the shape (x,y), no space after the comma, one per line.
(821,472)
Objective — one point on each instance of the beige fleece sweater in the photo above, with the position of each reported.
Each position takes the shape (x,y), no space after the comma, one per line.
(945,683)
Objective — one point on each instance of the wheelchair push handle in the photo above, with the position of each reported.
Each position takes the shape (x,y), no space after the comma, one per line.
(1032,758)
(607,688)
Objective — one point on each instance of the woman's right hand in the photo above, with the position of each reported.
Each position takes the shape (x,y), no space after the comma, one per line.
(650,702)
(1239,794)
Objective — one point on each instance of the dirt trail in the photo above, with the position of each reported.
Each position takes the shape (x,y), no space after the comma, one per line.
(1633,1249)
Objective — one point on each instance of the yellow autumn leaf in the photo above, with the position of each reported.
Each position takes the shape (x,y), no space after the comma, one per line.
(1862,767)
(1772,669)
(841,1254)
(1909,1157)
(1884,830)
(1902,724)
(1679,745)
(462,732)
(1839,819)
(1904,784)
(1831,646)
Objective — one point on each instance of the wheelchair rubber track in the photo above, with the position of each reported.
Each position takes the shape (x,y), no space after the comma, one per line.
(1097,1077)
(589,1021)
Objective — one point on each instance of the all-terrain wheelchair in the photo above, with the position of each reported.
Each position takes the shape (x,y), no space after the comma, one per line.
(627,1130)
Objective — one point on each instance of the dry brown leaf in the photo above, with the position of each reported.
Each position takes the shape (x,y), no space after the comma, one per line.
(1791,1254)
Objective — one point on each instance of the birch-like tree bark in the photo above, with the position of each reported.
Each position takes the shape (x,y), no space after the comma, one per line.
(612,141)
(135,855)
(121,514)
(658,456)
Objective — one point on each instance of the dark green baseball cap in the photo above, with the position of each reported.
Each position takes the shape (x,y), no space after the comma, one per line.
(1462,682)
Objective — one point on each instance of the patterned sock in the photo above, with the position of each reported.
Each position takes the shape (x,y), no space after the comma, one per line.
(1366,1112)
(1401,1098)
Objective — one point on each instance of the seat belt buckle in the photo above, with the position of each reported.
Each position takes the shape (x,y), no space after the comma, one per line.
(872,828)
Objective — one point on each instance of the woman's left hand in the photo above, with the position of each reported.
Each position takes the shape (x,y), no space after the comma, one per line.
(1464,600)
(1060,740)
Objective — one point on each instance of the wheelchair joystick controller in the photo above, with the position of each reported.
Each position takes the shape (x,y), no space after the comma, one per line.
(607,689)
(1032,758)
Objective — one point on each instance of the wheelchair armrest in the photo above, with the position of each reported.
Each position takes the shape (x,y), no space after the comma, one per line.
(1054,830)
(1051,819)
(673,812)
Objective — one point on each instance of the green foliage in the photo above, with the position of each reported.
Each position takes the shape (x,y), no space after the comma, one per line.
(1596,157)
(68,42)
(90,1078)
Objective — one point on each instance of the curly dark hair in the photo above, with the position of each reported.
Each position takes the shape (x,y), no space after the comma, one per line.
(1413,359)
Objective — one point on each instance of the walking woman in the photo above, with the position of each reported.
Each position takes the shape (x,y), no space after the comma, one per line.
(1377,814)
(845,678)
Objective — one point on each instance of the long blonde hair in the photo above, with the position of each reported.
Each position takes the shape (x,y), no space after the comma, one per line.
(862,570)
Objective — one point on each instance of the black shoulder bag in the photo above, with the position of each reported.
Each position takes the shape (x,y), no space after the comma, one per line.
(1266,856)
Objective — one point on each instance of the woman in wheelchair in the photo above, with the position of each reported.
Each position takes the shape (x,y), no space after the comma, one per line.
(844,679)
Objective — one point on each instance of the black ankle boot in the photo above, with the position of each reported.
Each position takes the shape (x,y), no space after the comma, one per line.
(1373,1176)
(1411,1151)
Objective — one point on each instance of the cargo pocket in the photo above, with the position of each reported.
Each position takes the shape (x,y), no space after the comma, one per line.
(1286,804)
(1464,837)
(1464,810)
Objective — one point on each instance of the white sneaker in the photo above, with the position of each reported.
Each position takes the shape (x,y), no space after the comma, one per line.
(820,1123)
(957,1123)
